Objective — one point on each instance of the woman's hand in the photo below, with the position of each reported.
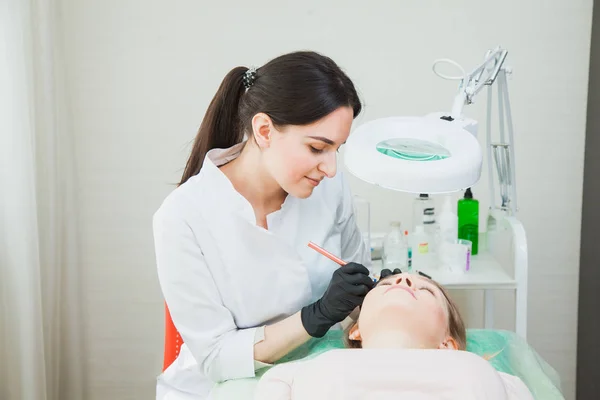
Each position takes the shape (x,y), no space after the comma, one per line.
(348,287)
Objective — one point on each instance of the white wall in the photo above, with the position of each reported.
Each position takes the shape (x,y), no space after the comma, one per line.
(141,74)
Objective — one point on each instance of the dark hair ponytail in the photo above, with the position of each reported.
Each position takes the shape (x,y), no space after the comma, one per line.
(293,89)
(220,126)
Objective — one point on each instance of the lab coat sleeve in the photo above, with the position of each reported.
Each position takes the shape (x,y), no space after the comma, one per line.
(259,336)
(206,326)
(354,248)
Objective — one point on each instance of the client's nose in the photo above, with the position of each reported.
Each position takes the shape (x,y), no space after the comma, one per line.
(403,280)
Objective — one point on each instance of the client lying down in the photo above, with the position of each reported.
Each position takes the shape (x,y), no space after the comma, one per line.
(409,342)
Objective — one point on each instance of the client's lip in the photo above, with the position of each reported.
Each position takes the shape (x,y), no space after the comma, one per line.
(315,182)
(403,288)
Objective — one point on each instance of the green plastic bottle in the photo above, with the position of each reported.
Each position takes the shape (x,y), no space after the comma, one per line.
(468,219)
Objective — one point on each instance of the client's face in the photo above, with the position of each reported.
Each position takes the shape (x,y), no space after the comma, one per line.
(408,305)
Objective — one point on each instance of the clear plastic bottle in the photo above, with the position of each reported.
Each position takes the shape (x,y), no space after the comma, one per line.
(448,222)
(424,215)
(395,250)
(423,211)
(495,230)
(421,253)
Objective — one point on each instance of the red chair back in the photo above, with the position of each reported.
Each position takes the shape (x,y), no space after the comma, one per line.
(173,340)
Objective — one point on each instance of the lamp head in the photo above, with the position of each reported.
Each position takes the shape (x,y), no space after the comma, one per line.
(415,154)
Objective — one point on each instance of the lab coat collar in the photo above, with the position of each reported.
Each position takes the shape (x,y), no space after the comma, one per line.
(221,186)
(218,157)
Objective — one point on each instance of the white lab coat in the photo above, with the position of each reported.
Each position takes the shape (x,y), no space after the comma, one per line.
(224,278)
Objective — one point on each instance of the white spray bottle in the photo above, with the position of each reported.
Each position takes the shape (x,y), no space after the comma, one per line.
(448,220)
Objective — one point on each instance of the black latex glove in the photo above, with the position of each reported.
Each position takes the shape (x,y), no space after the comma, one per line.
(348,287)
(386,272)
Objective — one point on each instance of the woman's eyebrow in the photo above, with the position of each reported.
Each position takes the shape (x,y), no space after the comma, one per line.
(323,139)
(424,274)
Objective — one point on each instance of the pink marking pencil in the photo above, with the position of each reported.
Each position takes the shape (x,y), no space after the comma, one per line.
(327,254)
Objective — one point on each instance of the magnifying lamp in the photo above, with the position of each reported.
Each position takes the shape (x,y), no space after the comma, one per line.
(439,153)
(414,154)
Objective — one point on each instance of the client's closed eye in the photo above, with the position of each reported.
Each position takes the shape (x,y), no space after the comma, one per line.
(428,289)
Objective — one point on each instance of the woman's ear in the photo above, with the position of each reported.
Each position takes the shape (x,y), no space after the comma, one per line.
(448,344)
(262,127)
(354,333)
